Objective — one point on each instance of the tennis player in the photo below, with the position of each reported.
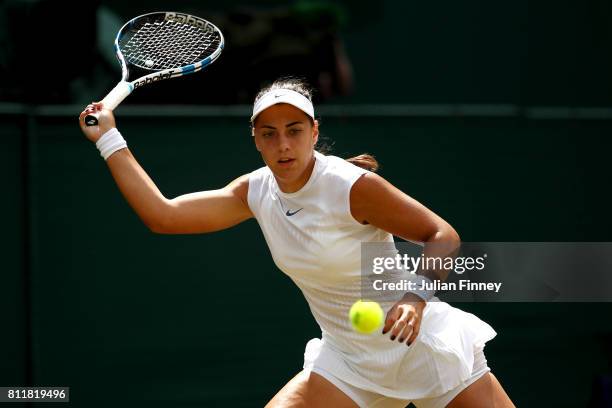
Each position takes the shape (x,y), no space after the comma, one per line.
(315,211)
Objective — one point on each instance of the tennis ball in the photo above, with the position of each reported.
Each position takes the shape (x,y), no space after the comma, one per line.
(366,316)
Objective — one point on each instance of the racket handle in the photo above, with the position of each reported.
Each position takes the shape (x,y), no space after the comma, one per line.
(111,101)
(91,119)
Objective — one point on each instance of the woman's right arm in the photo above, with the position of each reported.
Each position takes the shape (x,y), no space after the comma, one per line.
(200,212)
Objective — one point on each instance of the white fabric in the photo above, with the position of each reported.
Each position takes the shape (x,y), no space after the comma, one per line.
(283,96)
(319,248)
(368,399)
(110,142)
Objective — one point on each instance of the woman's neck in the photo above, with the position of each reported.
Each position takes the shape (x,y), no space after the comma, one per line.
(301,181)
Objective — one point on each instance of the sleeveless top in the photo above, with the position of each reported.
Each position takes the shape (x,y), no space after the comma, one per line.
(314,239)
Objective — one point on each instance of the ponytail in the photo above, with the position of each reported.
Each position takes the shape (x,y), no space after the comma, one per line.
(365,161)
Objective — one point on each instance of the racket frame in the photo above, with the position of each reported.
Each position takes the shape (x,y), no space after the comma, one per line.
(125,87)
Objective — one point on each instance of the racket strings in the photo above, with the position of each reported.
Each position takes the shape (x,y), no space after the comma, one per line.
(167,44)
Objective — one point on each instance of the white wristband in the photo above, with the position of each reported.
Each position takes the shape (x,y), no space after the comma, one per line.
(424,294)
(110,142)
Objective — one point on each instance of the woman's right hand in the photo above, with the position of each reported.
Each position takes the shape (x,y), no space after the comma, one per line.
(106,121)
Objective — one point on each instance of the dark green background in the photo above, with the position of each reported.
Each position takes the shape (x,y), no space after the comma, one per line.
(119,313)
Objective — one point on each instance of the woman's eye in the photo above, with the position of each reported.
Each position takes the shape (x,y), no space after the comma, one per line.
(294,131)
(267,134)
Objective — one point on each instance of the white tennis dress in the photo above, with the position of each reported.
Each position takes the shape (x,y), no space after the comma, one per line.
(315,240)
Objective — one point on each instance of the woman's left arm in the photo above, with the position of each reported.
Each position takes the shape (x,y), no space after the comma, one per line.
(377,202)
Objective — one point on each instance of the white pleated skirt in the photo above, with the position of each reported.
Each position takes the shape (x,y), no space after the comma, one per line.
(440,359)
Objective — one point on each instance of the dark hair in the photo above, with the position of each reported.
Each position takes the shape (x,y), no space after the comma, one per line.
(364,160)
(293,84)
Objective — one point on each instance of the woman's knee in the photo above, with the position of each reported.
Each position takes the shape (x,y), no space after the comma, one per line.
(486,392)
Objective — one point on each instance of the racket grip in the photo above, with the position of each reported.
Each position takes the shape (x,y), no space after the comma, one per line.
(91,119)
(111,101)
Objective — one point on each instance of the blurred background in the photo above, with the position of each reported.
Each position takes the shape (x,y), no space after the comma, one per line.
(496,115)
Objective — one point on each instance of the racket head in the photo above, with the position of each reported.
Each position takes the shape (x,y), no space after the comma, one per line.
(161,45)
(166,44)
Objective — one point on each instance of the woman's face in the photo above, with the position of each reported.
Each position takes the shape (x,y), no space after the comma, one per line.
(285,137)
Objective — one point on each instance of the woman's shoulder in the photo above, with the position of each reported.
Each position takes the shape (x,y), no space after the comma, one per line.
(338,167)
(259,174)
(258,182)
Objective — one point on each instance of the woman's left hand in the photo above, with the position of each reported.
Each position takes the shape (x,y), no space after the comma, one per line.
(403,320)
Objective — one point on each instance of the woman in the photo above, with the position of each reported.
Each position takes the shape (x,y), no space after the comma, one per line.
(315,211)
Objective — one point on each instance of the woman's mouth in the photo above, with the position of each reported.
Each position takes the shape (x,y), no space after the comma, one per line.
(285,162)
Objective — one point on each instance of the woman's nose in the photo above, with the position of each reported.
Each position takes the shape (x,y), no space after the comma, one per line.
(283,142)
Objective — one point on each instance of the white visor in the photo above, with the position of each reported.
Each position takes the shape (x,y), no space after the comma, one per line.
(283,96)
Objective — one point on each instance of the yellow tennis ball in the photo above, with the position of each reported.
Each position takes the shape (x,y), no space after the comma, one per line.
(366,316)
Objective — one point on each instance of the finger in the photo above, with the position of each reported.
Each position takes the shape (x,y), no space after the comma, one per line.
(392,316)
(398,328)
(404,329)
(399,324)
(88,109)
(415,331)
(407,332)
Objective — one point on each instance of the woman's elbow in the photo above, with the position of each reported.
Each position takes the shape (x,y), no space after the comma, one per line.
(157,227)
(445,235)
(450,238)
(453,235)
(160,222)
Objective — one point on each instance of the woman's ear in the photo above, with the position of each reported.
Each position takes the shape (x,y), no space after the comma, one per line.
(255,139)
(315,132)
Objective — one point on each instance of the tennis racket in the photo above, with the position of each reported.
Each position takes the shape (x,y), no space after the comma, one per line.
(157,46)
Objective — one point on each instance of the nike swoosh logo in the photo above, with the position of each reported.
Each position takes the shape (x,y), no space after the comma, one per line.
(277,96)
(289,213)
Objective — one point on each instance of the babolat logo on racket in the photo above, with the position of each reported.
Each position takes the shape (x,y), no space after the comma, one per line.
(155,78)
(189,19)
